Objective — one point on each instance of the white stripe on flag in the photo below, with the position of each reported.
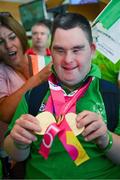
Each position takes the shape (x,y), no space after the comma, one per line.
(41,62)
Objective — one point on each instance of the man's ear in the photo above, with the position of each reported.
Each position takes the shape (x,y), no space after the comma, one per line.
(93,49)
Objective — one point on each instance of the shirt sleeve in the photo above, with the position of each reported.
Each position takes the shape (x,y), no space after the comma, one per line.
(3,83)
(22,108)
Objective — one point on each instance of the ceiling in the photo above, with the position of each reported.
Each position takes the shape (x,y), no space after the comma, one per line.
(12,6)
(25,1)
(20,1)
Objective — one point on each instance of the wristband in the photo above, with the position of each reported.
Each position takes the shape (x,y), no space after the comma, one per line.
(21,146)
(110,143)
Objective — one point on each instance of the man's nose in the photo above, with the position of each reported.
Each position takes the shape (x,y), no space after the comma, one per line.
(39,35)
(68,57)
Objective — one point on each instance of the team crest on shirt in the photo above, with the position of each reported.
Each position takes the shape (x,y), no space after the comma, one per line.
(42,108)
(99,108)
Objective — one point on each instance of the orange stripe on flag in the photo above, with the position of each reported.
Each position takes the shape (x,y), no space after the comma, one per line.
(34,59)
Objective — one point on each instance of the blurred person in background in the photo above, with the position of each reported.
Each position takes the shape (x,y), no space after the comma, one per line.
(16,68)
(109,70)
(41,32)
(17,71)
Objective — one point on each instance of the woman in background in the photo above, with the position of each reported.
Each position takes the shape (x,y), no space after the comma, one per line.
(16,68)
(17,71)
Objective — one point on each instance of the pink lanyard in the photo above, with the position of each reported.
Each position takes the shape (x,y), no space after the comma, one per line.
(61,102)
(62,105)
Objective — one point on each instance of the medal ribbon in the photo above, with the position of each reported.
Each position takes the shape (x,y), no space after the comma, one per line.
(63,104)
(47,140)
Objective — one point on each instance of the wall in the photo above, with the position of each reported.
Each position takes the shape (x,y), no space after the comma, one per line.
(10,7)
(90,11)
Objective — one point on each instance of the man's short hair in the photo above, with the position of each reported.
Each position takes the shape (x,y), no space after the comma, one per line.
(71,20)
(45,22)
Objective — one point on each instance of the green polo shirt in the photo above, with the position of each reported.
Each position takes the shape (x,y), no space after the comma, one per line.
(109,70)
(59,164)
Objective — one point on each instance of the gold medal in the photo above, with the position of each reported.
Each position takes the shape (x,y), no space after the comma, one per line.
(45,119)
(71,120)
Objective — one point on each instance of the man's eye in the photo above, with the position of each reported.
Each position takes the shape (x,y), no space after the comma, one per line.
(34,33)
(76,51)
(43,33)
(60,51)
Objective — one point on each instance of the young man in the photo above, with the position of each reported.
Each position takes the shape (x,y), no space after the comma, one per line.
(70,140)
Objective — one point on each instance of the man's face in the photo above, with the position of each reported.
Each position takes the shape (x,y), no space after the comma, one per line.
(40,35)
(72,55)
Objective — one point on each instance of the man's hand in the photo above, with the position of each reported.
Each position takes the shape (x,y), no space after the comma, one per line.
(95,127)
(24,128)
